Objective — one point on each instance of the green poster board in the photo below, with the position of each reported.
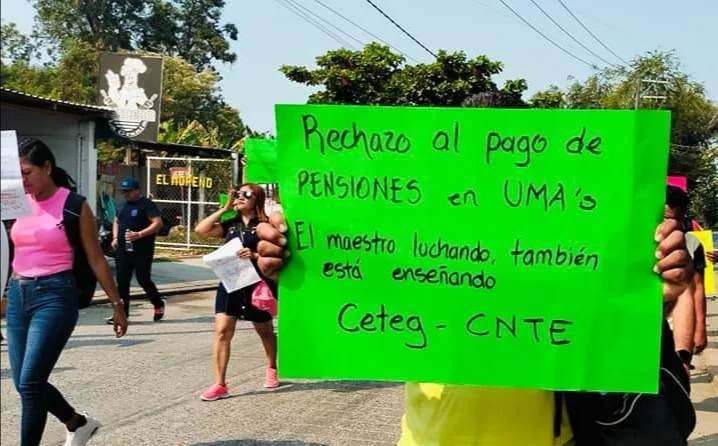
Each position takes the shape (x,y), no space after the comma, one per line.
(472,246)
(261,161)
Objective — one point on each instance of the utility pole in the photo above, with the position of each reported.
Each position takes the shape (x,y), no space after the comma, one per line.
(650,89)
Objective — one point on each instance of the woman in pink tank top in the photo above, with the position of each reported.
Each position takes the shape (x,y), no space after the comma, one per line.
(43,296)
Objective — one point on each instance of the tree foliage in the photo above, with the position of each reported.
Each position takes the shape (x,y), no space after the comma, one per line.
(15,45)
(191,97)
(72,79)
(693,134)
(377,76)
(551,98)
(191,29)
(188,96)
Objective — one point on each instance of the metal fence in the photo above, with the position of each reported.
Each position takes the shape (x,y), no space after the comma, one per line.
(186,190)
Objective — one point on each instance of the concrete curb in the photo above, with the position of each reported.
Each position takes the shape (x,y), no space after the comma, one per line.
(171,289)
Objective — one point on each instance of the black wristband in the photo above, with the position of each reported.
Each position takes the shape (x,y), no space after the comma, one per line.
(685,356)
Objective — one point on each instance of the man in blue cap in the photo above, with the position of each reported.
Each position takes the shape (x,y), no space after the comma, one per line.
(133,237)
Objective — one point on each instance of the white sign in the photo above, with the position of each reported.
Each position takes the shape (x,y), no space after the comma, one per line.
(131,87)
(234,272)
(13,202)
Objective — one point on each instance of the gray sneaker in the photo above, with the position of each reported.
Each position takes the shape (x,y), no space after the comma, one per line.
(83,434)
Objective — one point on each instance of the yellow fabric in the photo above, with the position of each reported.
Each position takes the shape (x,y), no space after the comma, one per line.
(438,415)
(706,238)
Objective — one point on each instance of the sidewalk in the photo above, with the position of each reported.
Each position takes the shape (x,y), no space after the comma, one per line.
(179,277)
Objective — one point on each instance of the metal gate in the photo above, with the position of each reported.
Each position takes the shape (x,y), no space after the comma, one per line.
(186,190)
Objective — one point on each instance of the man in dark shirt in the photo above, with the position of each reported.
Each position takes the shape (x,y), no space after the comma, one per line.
(133,237)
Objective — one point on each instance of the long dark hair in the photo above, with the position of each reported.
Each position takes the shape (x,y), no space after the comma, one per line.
(678,200)
(38,153)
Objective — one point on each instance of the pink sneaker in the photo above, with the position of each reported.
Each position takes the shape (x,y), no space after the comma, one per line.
(272,381)
(216,392)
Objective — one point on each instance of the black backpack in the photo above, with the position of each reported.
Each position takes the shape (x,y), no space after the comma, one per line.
(84,276)
(633,419)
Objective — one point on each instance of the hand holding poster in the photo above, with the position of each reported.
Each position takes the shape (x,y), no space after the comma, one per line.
(462,246)
(13,201)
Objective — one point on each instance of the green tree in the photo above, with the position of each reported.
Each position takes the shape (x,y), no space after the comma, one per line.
(551,98)
(15,45)
(201,38)
(189,97)
(190,29)
(693,134)
(109,25)
(377,76)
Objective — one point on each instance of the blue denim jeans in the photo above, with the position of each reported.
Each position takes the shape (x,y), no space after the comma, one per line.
(41,315)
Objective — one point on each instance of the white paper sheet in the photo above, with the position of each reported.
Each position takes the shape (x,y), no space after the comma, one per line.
(13,202)
(234,272)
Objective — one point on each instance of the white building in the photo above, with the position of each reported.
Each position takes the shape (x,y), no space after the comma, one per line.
(67,128)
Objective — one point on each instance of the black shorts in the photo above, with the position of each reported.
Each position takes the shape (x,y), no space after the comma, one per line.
(239,305)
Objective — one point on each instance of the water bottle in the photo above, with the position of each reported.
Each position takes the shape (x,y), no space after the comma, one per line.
(128,244)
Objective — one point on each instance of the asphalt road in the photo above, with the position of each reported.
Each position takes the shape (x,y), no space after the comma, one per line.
(144,388)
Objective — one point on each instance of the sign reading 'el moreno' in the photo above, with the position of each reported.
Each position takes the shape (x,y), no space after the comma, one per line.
(132,87)
(184,181)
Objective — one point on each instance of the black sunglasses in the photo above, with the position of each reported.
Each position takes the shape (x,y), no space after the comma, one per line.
(247,194)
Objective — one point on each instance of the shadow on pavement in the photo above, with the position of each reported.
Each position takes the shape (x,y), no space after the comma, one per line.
(711,440)
(702,378)
(164,333)
(5,372)
(334,386)
(146,314)
(164,273)
(707,405)
(169,320)
(109,341)
(248,442)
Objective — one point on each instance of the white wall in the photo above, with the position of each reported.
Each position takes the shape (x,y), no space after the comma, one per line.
(71,138)
(87,184)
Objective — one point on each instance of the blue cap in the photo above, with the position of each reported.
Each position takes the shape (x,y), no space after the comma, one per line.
(129,184)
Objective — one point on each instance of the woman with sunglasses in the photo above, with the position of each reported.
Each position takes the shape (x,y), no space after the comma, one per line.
(249,204)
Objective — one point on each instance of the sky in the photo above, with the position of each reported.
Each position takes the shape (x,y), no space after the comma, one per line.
(271,36)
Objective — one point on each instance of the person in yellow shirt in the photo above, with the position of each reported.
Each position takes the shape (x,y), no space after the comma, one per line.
(450,415)
(447,415)
(439,415)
